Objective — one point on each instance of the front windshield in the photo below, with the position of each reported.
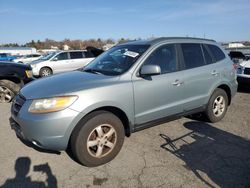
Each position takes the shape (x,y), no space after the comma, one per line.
(48,56)
(117,60)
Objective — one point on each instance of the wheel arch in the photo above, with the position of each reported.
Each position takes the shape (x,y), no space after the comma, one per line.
(120,114)
(227,89)
(47,68)
(115,110)
(15,79)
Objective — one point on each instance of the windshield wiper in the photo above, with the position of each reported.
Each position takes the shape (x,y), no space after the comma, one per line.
(95,71)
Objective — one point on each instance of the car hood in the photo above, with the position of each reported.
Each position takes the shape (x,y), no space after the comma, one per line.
(245,64)
(66,83)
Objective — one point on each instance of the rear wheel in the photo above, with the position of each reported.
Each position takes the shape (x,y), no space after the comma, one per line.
(8,89)
(217,106)
(45,72)
(97,139)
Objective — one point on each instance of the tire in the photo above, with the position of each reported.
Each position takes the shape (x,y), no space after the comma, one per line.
(8,90)
(89,131)
(45,71)
(217,106)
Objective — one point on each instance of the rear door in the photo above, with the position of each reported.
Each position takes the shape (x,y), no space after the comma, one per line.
(76,60)
(200,74)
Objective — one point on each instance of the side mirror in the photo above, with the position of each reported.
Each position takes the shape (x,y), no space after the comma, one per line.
(150,70)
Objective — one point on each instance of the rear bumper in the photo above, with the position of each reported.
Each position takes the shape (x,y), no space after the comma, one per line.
(243,79)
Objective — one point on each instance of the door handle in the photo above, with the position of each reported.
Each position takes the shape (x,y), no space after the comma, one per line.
(214,73)
(177,83)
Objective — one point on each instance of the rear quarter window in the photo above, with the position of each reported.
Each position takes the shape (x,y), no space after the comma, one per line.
(207,55)
(216,52)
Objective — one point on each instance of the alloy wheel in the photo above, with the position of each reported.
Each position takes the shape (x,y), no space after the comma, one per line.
(219,106)
(101,141)
(6,94)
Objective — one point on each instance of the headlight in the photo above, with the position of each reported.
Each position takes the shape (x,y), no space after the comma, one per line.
(51,104)
(29,73)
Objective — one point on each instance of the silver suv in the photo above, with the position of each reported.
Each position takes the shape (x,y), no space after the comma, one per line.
(130,87)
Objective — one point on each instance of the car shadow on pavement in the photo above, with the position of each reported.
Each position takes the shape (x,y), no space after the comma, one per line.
(222,156)
(21,179)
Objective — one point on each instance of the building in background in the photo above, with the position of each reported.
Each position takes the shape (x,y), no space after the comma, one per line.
(237,46)
(66,47)
(18,50)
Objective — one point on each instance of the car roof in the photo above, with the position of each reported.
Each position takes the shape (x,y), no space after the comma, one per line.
(73,51)
(166,39)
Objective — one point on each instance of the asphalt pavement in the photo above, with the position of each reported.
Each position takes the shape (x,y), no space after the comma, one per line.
(182,153)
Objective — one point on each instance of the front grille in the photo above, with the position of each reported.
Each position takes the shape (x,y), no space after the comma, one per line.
(247,71)
(18,103)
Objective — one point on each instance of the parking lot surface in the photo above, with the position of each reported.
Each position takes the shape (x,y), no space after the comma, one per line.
(181,153)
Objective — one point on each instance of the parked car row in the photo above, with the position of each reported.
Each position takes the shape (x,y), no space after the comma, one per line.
(242,63)
(6,57)
(128,88)
(62,61)
(13,77)
(243,73)
(27,58)
(17,72)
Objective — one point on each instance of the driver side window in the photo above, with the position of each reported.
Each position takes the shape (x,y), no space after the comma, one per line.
(164,57)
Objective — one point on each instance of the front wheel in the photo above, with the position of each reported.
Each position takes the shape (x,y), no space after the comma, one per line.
(45,72)
(97,139)
(217,106)
(8,89)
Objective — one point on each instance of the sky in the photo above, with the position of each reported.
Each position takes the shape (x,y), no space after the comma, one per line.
(26,20)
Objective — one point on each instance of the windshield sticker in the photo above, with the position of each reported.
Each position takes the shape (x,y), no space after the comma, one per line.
(131,54)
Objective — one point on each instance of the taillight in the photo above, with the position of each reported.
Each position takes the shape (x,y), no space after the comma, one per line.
(235,66)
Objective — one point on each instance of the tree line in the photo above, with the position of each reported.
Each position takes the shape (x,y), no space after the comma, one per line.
(73,44)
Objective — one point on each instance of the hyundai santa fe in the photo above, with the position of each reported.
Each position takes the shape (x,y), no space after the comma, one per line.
(130,87)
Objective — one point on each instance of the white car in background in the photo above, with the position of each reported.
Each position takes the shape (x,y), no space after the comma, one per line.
(28,58)
(62,61)
(243,73)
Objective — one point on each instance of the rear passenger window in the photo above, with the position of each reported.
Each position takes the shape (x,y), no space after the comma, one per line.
(76,55)
(216,52)
(164,57)
(207,56)
(192,55)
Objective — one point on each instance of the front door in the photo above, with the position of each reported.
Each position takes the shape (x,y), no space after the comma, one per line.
(60,62)
(161,95)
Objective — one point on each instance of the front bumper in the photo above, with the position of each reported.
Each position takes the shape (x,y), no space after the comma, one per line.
(49,131)
(35,70)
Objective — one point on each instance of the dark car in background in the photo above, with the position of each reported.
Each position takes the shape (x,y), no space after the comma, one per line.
(13,76)
(237,56)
